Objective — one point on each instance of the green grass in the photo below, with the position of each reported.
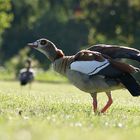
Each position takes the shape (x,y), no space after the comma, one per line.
(40,75)
(61,112)
(50,76)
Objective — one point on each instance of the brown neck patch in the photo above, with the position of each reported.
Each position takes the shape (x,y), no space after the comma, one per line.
(59,54)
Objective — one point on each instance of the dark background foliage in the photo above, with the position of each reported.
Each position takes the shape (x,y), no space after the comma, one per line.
(70,24)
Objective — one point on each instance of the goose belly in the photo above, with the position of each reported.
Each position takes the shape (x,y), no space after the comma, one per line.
(92,84)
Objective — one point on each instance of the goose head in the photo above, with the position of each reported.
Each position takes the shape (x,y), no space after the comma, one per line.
(48,48)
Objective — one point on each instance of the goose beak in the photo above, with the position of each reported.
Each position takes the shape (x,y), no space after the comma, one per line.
(33,45)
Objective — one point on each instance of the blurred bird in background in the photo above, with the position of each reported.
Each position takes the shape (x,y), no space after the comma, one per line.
(27,74)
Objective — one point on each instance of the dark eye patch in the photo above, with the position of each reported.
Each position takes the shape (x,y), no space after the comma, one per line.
(43,42)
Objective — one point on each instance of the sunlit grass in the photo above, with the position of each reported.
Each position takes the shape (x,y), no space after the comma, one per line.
(61,112)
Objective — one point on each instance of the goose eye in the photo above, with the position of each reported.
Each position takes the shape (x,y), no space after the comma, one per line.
(43,42)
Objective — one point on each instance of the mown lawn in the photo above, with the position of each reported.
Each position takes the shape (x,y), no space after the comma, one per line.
(53,111)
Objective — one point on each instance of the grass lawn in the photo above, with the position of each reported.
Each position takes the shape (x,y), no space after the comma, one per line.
(61,112)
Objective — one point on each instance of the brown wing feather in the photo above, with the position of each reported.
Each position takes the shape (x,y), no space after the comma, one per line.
(115,51)
(123,66)
(84,56)
(87,55)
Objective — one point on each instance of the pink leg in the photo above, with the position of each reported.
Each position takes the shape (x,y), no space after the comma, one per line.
(94,97)
(110,101)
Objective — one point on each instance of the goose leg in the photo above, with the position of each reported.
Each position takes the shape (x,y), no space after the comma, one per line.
(94,97)
(110,101)
(30,86)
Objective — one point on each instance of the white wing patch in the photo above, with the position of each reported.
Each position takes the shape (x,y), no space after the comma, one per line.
(89,67)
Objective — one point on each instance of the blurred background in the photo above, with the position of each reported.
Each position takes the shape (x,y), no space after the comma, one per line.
(71,24)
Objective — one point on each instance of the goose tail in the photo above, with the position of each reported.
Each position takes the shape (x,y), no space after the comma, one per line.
(131,84)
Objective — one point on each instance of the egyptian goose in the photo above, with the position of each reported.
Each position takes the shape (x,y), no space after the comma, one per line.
(26,75)
(114,75)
